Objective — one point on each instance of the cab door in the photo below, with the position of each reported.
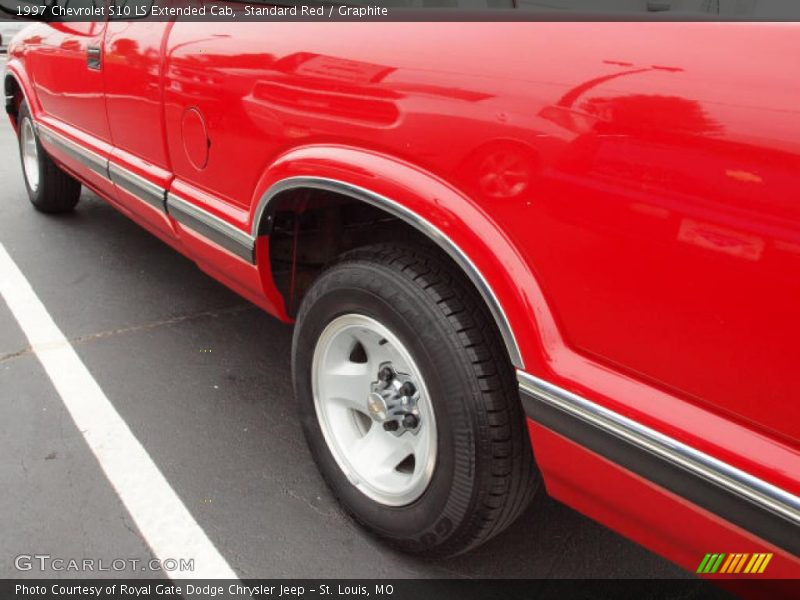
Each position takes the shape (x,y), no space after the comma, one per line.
(68,76)
(139,165)
(67,68)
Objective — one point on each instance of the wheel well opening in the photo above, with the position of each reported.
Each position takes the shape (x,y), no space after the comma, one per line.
(13,98)
(309,228)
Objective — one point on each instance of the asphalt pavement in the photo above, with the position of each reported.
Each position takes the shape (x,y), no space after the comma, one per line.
(201,377)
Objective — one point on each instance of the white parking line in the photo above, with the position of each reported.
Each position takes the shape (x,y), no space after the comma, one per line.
(164,521)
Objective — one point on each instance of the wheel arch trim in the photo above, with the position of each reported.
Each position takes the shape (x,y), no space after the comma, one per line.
(265,206)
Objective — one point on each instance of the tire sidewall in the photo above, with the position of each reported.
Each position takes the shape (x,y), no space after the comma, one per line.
(362,289)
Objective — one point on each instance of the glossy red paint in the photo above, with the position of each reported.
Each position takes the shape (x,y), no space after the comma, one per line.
(67,89)
(662,521)
(628,191)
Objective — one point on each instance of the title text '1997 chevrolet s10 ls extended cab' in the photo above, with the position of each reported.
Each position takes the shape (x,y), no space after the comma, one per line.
(520,257)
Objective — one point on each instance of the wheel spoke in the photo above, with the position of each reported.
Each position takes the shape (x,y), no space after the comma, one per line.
(349,385)
(378,453)
(379,352)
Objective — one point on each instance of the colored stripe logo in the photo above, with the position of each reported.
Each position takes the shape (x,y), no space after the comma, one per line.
(734,563)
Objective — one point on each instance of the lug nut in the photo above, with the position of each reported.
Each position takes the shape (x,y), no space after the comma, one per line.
(391,425)
(408,389)
(386,374)
(410,421)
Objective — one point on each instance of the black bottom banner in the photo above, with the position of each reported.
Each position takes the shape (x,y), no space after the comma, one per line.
(398,589)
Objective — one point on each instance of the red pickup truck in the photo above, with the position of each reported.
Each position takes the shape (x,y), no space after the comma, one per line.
(519,256)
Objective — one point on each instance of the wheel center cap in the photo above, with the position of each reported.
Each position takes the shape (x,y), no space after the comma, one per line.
(377,407)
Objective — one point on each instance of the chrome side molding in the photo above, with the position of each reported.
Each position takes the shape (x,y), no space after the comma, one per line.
(138,186)
(235,241)
(93,161)
(211,227)
(766,510)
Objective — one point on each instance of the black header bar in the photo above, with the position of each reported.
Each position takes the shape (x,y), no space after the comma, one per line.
(403,10)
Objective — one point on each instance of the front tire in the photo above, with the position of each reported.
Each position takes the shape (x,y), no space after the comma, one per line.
(409,402)
(50,189)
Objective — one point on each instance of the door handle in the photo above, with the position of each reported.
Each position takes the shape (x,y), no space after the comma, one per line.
(94,58)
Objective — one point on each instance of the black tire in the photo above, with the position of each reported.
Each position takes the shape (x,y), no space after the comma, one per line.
(485,474)
(57,191)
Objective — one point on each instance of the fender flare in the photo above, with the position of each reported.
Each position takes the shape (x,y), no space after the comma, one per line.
(446,216)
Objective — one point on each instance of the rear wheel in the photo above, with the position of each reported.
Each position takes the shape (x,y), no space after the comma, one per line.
(50,189)
(408,401)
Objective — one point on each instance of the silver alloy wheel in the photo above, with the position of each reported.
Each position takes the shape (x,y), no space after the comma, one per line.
(374,409)
(30,155)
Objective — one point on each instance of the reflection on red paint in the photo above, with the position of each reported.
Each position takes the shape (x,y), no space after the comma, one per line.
(721,239)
